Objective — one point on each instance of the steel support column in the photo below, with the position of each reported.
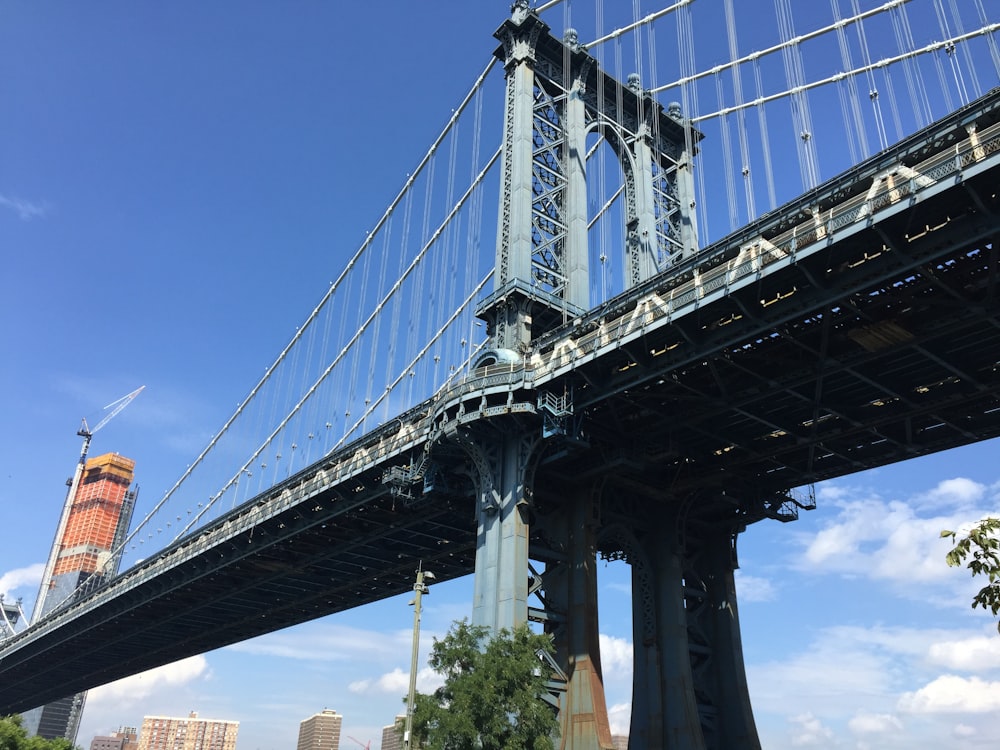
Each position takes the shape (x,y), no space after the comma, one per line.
(576,256)
(721,675)
(641,245)
(571,595)
(510,321)
(689,688)
(667,716)
(500,590)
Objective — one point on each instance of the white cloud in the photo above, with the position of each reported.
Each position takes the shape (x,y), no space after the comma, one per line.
(952,694)
(28,577)
(808,731)
(329,642)
(754,589)
(953,492)
(838,671)
(963,731)
(867,723)
(620,718)
(890,540)
(165,690)
(832,492)
(623,588)
(130,690)
(884,540)
(397,682)
(616,655)
(969,655)
(25,210)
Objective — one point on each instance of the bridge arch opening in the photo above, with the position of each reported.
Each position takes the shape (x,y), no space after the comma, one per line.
(614,592)
(608,171)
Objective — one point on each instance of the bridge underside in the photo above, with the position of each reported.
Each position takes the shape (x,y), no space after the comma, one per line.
(341,549)
(884,347)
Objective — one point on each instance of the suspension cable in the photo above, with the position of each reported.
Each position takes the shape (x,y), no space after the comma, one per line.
(883,63)
(378,309)
(440,332)
(637,24)
(316,310)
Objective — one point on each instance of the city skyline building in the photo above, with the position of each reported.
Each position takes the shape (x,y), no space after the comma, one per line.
(92,526)
(125,738)
(392,734)
(191,733)
(320,731)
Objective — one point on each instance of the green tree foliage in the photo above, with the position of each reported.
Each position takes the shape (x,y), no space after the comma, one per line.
(492,696)
(982,547)
(14,737)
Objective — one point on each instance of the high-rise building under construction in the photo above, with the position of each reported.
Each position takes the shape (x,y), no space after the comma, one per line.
(92,527)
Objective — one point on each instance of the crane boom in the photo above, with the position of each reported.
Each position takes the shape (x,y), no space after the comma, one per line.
(116,407)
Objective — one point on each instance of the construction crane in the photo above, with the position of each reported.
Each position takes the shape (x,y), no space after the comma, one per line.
(366,747)
(116,407)
(86,433)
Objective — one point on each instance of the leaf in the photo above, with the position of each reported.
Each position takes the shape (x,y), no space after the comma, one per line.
(983,543)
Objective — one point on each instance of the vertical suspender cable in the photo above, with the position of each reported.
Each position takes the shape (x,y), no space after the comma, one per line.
(942,76)
(449,262)
(741,125)
(914,78)
(872,88)
(377,351)
(966,55)
(765,143)
(411,328)
(853,124)
(422,269)
(727,156)
(473,235)
(990,39)
(689,101)
(890,90)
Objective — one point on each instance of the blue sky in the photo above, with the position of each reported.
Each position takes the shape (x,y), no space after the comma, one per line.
(178,185)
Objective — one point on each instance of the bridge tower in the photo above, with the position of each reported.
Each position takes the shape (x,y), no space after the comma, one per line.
(556,95)
(690,689)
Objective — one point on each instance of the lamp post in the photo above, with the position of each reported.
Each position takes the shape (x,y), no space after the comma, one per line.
(419,589)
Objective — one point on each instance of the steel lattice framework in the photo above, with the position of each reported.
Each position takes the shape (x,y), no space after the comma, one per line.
(556,95)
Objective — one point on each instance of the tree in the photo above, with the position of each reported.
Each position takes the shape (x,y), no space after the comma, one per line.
(983,544)
(14,737)
(492,697)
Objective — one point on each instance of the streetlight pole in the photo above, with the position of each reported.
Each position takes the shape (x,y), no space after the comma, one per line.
(419,589)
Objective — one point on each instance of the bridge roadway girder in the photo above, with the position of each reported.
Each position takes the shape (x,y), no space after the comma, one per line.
(333,551)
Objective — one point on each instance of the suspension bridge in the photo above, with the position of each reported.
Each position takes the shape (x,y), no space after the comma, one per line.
(600,377)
